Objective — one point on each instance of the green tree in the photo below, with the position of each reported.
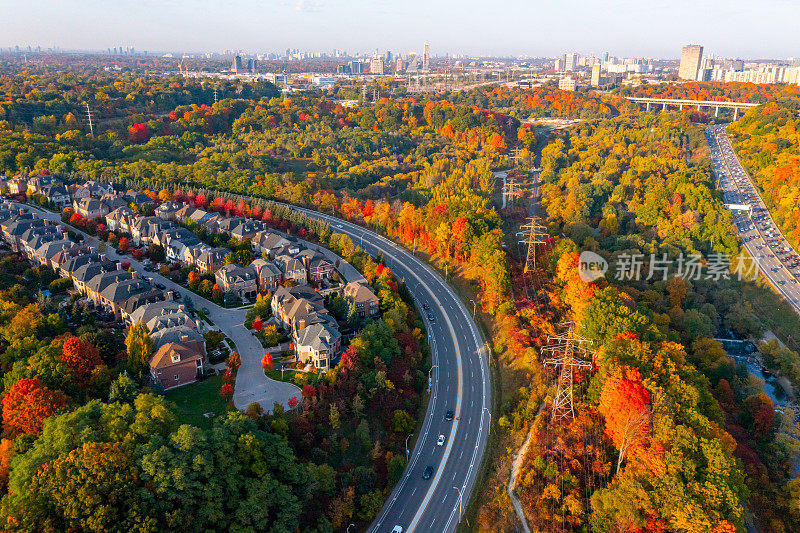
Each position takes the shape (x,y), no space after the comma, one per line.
(139,346)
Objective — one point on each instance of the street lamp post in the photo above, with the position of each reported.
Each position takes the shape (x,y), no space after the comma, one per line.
(348,527)
(407,450)
(460,500)
(430,376)
(474,307)
(490,417)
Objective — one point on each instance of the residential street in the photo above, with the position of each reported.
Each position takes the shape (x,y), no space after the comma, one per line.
(251,383)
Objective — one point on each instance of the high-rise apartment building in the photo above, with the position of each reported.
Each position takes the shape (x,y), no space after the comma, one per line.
(426,56)
(691,57)
(376,66)
(596,75)
(571,61)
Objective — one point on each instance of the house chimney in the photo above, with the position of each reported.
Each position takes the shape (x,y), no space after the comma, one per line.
(102,258)
(184,338)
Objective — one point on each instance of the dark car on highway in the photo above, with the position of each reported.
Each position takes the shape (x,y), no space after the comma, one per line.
(431,318)
(449,415)
(428,472)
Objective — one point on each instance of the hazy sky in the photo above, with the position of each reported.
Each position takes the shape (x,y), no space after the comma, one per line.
(744,28)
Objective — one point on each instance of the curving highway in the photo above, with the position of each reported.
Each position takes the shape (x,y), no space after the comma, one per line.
(460,383)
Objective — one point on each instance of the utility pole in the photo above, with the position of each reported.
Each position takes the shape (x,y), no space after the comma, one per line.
(532,233)
(89,116)
(568,352)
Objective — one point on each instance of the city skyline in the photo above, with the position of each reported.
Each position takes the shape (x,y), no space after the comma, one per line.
(359,26)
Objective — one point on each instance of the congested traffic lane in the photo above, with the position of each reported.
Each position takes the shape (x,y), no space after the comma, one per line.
(762,238)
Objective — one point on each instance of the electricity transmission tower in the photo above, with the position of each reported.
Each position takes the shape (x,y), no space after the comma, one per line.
(533,233)
(215,95)
(567,351)
(89,116)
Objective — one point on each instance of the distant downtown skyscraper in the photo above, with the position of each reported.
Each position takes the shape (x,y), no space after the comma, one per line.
(426,56)
(691,58)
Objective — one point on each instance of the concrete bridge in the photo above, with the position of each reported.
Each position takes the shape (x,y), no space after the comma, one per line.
(664,102)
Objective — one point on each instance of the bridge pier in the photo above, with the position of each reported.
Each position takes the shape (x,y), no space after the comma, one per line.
(716,112)
(648,106)
(664,107)
(735,113)
(698,107)
(680,107)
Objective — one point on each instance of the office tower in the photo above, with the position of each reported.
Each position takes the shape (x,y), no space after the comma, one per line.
(570,61)
(605,58)
(426,56)
(238,65)
(596,75)
(691,56)
(251,65)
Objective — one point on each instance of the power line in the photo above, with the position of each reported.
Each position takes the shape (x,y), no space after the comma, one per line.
(533,233)
(89,115)
(566,351)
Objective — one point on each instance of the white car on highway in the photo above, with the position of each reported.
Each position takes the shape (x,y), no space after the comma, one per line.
(440,440)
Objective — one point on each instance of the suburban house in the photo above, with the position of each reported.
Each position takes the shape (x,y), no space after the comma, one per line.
(136,198)
(68,267)
(269,275)
(269,243)
(168,210)
(139,301)
(56,194)
(114,201)
(113,296)
(317,265)
(121,219)
(176,364)
(361,296)
(237,279)
(284,297)
(90,208)
(293,269)
(246,229)
(317,345)
(17,185)
(15,227)
(37,183)
(211,259)
(147,313)
(87,272)
(97,284)
(178,334)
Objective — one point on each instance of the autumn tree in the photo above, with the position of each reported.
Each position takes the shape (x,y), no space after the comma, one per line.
(625,404)
(27,403)
(139,346)
(81,357)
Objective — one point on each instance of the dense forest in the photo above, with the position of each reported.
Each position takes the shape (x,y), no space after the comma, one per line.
(669,433)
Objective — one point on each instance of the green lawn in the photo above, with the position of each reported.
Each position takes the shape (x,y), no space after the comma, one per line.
(197,398)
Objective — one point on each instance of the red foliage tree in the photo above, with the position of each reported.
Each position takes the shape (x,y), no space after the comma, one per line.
(26,405)
(81,357)
(124,244)
(309,391)
(625,404)
(139,132)
(293,401)
(266,362)
(258,324)
(226,391)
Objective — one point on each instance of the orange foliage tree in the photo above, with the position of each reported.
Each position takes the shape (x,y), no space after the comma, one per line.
(26,405)
(625,404)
